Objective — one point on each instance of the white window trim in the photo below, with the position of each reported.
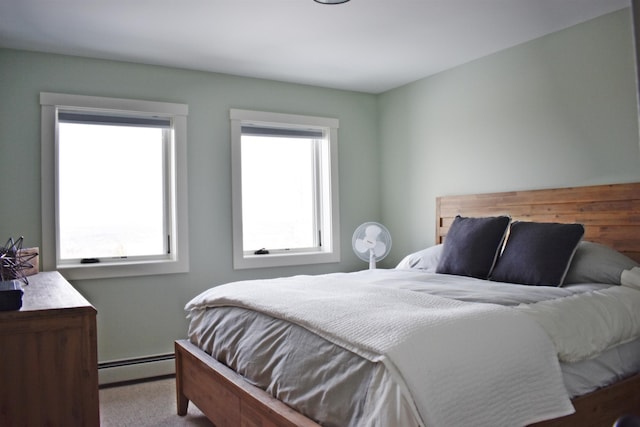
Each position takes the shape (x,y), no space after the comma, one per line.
(330,251)
(179,262)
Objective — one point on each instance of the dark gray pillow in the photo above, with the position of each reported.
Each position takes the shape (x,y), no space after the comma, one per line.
(472,246)
(538,253)
(597,263)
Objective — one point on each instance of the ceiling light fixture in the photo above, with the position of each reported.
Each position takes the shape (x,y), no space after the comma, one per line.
(331,1)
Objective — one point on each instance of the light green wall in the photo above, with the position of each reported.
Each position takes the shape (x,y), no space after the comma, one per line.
(554,112)
(143,315)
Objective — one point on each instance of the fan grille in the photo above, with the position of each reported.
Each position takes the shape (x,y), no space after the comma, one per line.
(371,238)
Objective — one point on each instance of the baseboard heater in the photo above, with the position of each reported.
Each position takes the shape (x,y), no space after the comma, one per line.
(137,368)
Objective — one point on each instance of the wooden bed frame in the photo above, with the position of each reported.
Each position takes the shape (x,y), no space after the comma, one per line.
(611,215)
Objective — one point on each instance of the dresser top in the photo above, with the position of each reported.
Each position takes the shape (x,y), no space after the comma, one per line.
(49,291)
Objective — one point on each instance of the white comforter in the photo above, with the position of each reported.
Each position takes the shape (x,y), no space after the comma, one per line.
(461,362)
(584,325)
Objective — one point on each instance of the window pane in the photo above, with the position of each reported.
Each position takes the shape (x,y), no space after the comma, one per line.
(111,196)
(277,193)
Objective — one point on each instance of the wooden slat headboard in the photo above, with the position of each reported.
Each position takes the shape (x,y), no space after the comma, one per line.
(610,213)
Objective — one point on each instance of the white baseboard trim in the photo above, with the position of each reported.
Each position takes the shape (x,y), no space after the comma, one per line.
(136,369)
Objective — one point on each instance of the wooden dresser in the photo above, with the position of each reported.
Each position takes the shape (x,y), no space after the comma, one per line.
(48,357)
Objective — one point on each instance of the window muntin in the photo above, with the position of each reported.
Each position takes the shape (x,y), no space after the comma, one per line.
(137,185)
(285,189)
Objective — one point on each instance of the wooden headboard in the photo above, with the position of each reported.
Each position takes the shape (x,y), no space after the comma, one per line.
(610,213)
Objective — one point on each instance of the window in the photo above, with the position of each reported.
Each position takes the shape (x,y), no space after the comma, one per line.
(285,189)
(113,186)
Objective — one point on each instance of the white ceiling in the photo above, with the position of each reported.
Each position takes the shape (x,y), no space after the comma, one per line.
(363,45)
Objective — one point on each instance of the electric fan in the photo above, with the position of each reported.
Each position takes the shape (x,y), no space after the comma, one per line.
(371,242)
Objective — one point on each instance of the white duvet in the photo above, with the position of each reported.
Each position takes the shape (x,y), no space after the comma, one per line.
(584,325)
(462,363)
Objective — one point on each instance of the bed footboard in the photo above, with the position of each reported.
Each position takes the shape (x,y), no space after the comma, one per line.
(224,396)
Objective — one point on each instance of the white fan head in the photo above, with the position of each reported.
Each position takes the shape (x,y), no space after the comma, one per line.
(371,242)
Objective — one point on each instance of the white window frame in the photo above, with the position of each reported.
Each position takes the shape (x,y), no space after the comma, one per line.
(177,261)
(330,250)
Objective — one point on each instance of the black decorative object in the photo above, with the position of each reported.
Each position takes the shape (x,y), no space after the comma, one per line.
(10,295)
(13,261)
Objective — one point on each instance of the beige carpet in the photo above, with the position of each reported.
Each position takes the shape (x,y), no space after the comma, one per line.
(151,403)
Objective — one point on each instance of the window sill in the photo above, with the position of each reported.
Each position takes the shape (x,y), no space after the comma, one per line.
(282,260)
(122,269)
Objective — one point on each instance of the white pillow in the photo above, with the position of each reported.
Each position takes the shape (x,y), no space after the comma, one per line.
(426,259)
(597,263)
(631,278)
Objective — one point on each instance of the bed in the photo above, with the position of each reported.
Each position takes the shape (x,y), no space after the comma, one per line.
(610,215)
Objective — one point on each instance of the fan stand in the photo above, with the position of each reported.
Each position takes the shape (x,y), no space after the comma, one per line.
(372,259)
